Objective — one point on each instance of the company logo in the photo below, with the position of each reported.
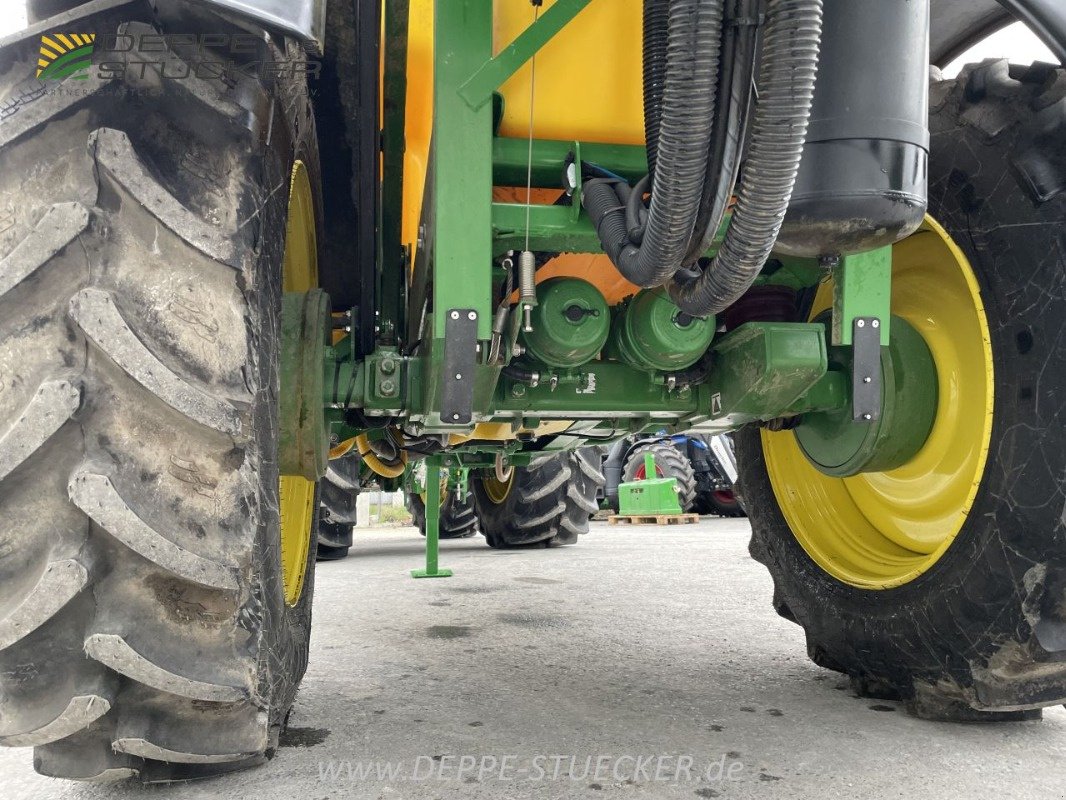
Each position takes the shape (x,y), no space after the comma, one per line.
(65,55)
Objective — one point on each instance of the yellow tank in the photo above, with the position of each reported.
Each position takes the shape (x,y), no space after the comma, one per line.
(589,83)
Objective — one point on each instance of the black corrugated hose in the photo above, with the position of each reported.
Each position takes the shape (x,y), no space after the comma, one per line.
(693,44)
(730,128)
(789,64)
(656,30)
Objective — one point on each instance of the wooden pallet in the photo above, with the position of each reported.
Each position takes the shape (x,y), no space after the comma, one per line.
(653,519)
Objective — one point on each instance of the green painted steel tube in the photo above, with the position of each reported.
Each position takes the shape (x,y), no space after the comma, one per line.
(510,160)
(461,179)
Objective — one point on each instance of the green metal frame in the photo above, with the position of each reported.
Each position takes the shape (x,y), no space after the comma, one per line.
(862,287)
(461,180)
(758,372)
(393,258)
(511,160)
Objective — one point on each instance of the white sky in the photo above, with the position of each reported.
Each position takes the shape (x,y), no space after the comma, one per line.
(1015,42)
(12,16)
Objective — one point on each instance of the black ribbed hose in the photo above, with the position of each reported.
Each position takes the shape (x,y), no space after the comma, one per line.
(656,32)
(787,72)
(681,150)
(730,130)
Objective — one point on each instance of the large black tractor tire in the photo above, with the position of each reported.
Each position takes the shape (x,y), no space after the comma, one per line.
(548,503)
(338,496)
(669,463)
(143,622)
(722,502)
(457,517)
(982,633)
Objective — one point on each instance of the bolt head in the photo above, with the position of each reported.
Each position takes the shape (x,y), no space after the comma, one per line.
(455,417)
(472,315)
(455,315)
(861,323)
(867,379)
(458,376)
(876,323)
(867,417)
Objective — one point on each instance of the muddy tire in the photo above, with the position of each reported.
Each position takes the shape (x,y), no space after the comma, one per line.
(143,623)
(330,553)
(669,463)
(338,496)
(722,502)
(457,518)
(548,503)
(981,634)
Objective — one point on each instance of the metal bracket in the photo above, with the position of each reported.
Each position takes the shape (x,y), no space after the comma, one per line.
(460,359)
(866,369)
(862,287)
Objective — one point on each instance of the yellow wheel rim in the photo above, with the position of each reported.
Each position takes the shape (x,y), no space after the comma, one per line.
(443,493)
(496,489)
(296,495)
(880,530)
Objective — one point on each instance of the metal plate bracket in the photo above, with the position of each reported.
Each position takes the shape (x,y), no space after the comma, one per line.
(460,359)
(866,377)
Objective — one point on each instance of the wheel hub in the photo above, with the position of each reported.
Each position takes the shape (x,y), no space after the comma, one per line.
(839,446)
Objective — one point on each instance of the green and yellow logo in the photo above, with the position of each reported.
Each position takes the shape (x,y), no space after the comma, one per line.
(65,55)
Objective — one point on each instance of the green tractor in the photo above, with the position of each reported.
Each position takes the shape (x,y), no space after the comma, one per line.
(502,232)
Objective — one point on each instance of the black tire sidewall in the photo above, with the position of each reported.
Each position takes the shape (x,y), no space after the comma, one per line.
(286,628)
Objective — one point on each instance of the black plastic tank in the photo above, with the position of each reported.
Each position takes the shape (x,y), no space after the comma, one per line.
(863,180)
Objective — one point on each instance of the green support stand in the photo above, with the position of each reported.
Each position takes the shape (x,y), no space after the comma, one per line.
(432,523)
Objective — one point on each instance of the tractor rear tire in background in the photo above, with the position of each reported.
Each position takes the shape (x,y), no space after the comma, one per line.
(457,518)
(152,621)
(338,495)
(670,462)
(549,503)
(941,583)
(722,502)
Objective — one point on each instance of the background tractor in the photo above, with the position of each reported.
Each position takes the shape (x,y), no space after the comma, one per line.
(704,467)
(503,232)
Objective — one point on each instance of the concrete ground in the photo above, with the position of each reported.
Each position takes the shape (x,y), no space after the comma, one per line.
(506,680)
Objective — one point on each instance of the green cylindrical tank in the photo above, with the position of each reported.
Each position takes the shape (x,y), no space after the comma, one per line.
(652,333)
(571,322)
